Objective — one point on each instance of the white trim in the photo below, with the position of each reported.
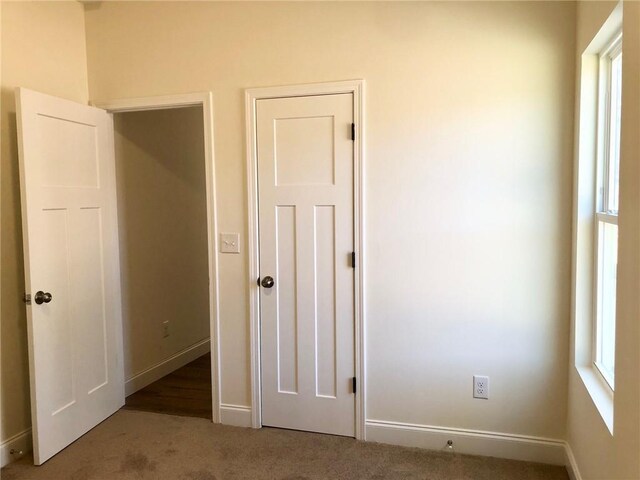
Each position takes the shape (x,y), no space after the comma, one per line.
(607,218)
(471,442)
(571,464)
(204,99)
(20,442)
(600,393)
(165,367)
(154,103)
(236,415)
(587,180)
(355,87)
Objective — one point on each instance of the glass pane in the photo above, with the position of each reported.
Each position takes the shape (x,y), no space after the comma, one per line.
(607,300)
(614,133)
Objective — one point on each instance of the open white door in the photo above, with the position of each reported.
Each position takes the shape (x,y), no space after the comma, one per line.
(67,181)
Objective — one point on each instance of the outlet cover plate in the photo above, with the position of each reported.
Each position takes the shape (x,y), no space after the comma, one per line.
(481,387)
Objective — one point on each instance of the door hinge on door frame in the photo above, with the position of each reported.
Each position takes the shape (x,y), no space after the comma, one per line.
(27,298)
(354,383)
(353,131)
(353,259)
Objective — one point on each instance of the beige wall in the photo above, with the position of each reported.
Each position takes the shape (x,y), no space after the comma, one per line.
(599,454)
(469,114)
(163,233)
(43,48)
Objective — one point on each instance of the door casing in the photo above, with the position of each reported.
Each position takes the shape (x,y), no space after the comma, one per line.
(356,88)
(204,100)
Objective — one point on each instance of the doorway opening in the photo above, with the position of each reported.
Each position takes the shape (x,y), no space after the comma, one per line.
(162,224)
(186,119)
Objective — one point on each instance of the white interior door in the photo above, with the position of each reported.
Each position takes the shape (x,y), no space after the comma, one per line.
(67,180)
(305,188)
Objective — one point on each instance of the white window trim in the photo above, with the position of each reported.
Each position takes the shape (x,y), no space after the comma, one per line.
(585,202)
(602,213)
(613,49)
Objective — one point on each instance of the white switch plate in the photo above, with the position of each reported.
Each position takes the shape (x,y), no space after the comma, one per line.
(229,243)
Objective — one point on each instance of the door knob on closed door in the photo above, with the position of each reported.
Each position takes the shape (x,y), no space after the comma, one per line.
(267,282)
(42,297)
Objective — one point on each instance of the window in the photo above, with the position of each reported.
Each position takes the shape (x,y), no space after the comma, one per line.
(606,214)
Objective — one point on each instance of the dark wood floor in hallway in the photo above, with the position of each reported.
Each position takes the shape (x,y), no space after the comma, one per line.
(185,392)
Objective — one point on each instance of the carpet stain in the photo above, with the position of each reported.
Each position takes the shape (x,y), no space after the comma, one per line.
(201,475)
(170,451)
(138,463)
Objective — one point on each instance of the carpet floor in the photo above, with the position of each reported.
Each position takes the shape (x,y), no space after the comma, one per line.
(133,445)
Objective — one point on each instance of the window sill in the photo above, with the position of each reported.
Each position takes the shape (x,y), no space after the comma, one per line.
(600,393)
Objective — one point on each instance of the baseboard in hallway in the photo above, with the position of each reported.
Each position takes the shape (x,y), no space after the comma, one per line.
(156,372)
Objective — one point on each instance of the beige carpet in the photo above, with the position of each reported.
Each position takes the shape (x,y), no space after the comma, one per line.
(140,445)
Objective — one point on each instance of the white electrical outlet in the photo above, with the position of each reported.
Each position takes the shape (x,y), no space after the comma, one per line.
(480,386)
(165,329)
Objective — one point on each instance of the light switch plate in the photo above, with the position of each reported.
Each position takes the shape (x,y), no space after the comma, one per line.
(229,243)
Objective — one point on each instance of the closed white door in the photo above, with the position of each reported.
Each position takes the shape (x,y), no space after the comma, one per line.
(67,181)
(305,189)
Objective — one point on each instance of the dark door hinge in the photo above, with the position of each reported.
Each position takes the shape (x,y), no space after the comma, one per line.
(353,131)
(353,259)
(258,281)
(27,298)
(354,383)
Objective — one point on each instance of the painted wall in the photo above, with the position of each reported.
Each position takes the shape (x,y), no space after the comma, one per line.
(598,453)
(43,48)
(163,233)
(469,114)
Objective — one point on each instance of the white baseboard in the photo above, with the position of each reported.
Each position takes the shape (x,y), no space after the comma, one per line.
(20,443)
(236,415)
(472,442)
(571,464)
(171,364)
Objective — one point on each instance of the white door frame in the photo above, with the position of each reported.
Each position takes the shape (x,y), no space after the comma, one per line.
(355,87)
(205,100)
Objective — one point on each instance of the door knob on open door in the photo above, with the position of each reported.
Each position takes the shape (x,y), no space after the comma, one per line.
(267,282)
(42,297)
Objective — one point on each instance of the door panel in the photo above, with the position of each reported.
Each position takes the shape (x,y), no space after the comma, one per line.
(305,187)
(67,175)
(60,171)
(303,154)
(287,317)
(325,308)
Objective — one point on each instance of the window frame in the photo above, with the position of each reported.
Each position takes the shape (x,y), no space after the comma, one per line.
(603,214)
